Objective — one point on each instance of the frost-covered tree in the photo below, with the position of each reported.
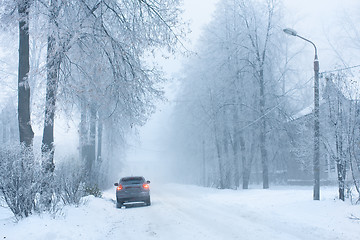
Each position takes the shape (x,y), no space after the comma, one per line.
(96,60)
(95,64)
(341,131)
(230,105)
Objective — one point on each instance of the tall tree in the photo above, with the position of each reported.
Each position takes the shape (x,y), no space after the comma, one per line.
(112,38)
(25,130)
(341,125)
(231,92)
(259,37)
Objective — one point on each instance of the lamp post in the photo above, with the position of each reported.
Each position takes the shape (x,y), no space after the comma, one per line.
(316,195)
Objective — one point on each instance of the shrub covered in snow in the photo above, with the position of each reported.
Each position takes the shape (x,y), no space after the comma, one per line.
(25,188)
(20,171)
(93,190)
(70,181)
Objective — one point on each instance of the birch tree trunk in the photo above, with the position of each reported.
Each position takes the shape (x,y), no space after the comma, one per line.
(53,65)
(99,139)
(83,139)
(91,156)
(236,144)
(53,61)
(264,160)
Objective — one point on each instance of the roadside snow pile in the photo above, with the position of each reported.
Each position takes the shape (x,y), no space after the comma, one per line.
(72,223)
(190,212)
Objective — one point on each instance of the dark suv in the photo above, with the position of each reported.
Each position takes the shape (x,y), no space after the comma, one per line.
(132,189)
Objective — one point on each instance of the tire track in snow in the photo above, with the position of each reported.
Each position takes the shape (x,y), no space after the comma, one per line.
(180,211)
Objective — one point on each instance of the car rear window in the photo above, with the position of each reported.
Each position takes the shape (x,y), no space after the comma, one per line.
(132,180)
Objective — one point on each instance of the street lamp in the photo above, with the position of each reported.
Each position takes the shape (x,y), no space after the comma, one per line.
(316,195)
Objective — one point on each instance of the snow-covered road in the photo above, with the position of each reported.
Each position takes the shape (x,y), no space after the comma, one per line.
(190,212)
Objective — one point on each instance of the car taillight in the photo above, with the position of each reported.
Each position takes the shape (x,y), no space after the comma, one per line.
(120,187)
(146,186)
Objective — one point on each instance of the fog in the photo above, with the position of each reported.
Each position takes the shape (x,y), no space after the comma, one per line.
(228,115)
(147,147)
(321,21)
(148,152)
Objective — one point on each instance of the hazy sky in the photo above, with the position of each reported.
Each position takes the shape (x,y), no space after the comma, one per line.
(319,21)
(149,149)
(313,19)
(199,13)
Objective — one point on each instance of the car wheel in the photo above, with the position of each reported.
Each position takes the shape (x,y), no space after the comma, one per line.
(119,204)
(148,202)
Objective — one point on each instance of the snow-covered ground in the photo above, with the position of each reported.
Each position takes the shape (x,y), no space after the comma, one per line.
(190,212)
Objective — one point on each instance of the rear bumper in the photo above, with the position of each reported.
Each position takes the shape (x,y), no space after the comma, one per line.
(133,199)
(138,197)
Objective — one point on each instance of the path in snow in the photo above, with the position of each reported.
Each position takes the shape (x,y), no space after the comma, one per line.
(190,212)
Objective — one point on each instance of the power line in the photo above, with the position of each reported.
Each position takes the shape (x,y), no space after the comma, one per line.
(341,69)
(287,94)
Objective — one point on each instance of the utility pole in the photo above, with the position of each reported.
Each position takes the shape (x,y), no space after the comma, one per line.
(316,161)
(316,129)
